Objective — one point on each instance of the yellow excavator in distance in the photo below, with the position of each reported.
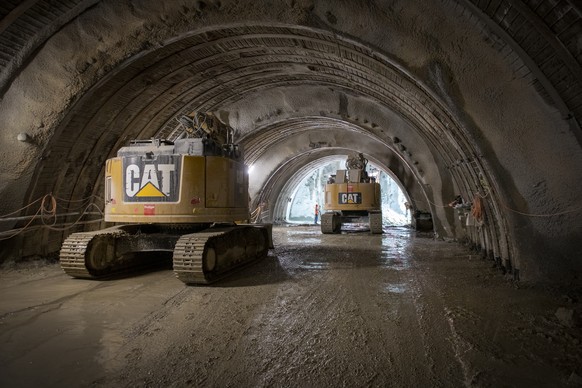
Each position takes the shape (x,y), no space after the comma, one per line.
(352,196)
(183,199)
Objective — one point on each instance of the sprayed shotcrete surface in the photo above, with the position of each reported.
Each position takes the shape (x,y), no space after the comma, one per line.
(397,309)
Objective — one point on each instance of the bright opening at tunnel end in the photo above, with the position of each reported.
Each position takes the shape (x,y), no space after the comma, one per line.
(310,192)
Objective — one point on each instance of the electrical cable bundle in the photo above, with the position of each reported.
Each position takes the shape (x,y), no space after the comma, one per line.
(48,213)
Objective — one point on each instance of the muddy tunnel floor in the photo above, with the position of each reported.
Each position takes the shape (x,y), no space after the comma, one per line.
(352,310)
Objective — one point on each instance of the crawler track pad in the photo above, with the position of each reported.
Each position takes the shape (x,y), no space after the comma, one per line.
(209,255)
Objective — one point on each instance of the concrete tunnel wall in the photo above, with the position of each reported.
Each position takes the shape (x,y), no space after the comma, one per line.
(474,97)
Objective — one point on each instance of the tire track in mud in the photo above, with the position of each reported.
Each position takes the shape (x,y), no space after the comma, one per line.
(282,338)
(401,313)
(187,341)
(436,336)
(337,327)
(151,341)
(439,340)
(152,321)
(287,339)
(388,322)
(351,310)
(377,357)
(330,328)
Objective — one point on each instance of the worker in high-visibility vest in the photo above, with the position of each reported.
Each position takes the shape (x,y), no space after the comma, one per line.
(316,212)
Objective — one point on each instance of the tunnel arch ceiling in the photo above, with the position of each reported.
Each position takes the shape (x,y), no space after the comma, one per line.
(462,79)
(299,144)
(275,194)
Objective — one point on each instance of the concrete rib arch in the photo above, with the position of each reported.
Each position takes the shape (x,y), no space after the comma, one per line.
(145,96)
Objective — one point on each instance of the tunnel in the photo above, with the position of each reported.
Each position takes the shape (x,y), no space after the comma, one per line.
(477,99)
(480,99)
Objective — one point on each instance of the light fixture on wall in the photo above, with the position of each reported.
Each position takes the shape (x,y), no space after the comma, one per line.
(24,137)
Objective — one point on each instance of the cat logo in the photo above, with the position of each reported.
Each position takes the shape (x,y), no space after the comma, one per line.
(350,198)
(150,182)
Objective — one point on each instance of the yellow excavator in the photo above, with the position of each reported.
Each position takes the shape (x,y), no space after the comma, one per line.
(186,199)
(351,195)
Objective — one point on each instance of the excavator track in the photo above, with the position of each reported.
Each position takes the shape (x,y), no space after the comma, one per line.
(114,251)
(376,222)
(330,223)
(72,256)
(207,256)
(201,257)
(90,255)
